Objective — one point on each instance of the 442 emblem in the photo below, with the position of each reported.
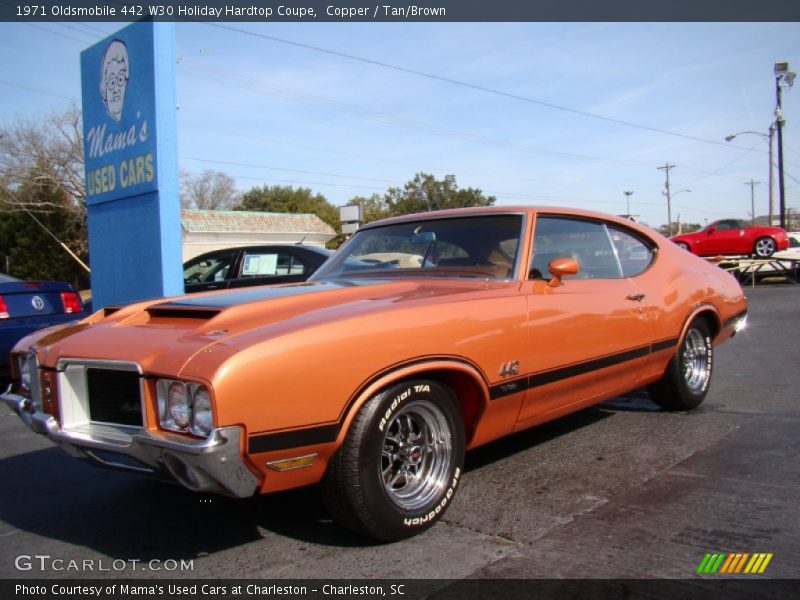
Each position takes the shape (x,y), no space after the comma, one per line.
(509,369)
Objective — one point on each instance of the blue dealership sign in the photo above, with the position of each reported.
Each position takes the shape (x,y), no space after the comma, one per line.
(120,115)
(130,154)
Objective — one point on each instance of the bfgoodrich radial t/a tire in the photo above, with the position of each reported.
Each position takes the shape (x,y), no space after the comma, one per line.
(397,471)
(684,384)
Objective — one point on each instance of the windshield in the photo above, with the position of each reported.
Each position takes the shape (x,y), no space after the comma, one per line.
(482,247)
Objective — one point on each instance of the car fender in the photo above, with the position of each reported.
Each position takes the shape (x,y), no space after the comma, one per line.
(705,309)
(423,368)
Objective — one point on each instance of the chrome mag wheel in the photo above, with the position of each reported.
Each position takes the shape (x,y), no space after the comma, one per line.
(696,361)
(765,247)
(416,455)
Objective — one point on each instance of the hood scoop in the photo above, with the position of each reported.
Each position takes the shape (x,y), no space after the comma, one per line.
(172,310)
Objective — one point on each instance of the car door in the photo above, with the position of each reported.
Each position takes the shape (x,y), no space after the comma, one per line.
(210,271)
(590,335)
(726,238)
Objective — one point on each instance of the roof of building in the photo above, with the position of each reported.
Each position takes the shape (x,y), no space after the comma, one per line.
(208,221)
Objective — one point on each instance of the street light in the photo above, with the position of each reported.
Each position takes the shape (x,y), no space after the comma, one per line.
(670,195)
(784,78)
(628,195)
(768,137)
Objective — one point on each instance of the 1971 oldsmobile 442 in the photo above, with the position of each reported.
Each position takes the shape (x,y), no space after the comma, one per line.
(422,337)
(731,237)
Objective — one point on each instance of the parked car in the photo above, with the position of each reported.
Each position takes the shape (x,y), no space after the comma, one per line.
(730,237)
(252,265)
(422,337)
(26,306)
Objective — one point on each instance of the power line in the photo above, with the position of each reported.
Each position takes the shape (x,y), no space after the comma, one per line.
(58,33)
(473,86)
(374,115)
(33,89)
(254,166)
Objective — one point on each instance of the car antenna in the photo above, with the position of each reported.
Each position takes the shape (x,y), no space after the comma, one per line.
(303,240)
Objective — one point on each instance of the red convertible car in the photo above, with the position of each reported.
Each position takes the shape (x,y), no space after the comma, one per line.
(730,237)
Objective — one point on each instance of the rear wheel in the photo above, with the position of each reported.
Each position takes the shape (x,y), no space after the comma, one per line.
(684,384)
(764,247)
(396,472)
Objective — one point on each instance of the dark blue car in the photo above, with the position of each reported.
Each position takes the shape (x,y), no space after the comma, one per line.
(26,306)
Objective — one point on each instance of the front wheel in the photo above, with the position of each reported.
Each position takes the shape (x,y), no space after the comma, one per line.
(685,382)
(398,468)
(764,247)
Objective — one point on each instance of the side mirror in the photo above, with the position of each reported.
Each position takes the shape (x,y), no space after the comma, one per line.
(711,230)
(561,267)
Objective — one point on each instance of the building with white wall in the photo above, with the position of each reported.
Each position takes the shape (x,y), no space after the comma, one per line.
(207,230)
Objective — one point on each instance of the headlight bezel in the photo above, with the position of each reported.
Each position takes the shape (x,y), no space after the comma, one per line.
(170,404)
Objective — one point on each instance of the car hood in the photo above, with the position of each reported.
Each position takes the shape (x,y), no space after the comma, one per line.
(163,335)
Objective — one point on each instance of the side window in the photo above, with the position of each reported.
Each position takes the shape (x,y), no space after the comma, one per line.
(633,253)
(209,268)
(261,264)
(727,225)
(587,242)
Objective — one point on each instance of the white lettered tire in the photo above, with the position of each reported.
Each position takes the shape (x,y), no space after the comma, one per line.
(399,467)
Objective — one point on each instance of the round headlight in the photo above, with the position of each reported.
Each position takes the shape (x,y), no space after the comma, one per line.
(178,404)
(201,411)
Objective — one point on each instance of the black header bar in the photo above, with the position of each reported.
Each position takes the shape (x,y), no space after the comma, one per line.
(400,10)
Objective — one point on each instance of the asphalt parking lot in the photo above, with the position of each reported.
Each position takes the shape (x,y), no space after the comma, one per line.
(622,490)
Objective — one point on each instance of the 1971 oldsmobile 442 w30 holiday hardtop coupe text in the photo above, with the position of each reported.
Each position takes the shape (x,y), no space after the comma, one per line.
(422,337)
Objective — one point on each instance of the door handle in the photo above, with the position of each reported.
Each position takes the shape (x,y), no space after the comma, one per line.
(636,297)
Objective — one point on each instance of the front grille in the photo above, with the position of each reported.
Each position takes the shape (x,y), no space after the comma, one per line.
(114,396)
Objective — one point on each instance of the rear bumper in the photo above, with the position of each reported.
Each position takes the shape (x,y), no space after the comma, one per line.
(14,330)
(213,464)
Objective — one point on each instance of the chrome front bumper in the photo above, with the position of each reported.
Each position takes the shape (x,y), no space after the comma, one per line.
(213,464)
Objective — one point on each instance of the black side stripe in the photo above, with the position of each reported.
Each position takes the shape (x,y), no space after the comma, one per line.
(324,434)
(664,344)
(587,367)
(292,439)
(545,377)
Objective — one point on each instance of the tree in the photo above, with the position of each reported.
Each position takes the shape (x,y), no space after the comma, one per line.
(210,190)
(42,177)
(684,228)
(48,152)
(286,199)
(426,193)
(28,249)
(372,208)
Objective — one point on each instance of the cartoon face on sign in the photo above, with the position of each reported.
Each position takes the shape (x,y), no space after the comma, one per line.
(114,78)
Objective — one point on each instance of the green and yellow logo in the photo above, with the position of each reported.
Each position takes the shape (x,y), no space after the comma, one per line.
(734,563)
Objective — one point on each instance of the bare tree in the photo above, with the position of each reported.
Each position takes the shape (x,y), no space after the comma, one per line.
(44,154)
(210,190)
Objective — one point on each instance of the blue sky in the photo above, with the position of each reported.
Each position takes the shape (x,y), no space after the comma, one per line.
(268,112)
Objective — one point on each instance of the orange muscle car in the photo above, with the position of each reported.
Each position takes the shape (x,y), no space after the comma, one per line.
(422,337)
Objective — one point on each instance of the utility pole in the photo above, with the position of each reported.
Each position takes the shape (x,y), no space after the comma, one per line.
(667,168)
(783,78)
(779,126)
(752,185)
(771,138)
